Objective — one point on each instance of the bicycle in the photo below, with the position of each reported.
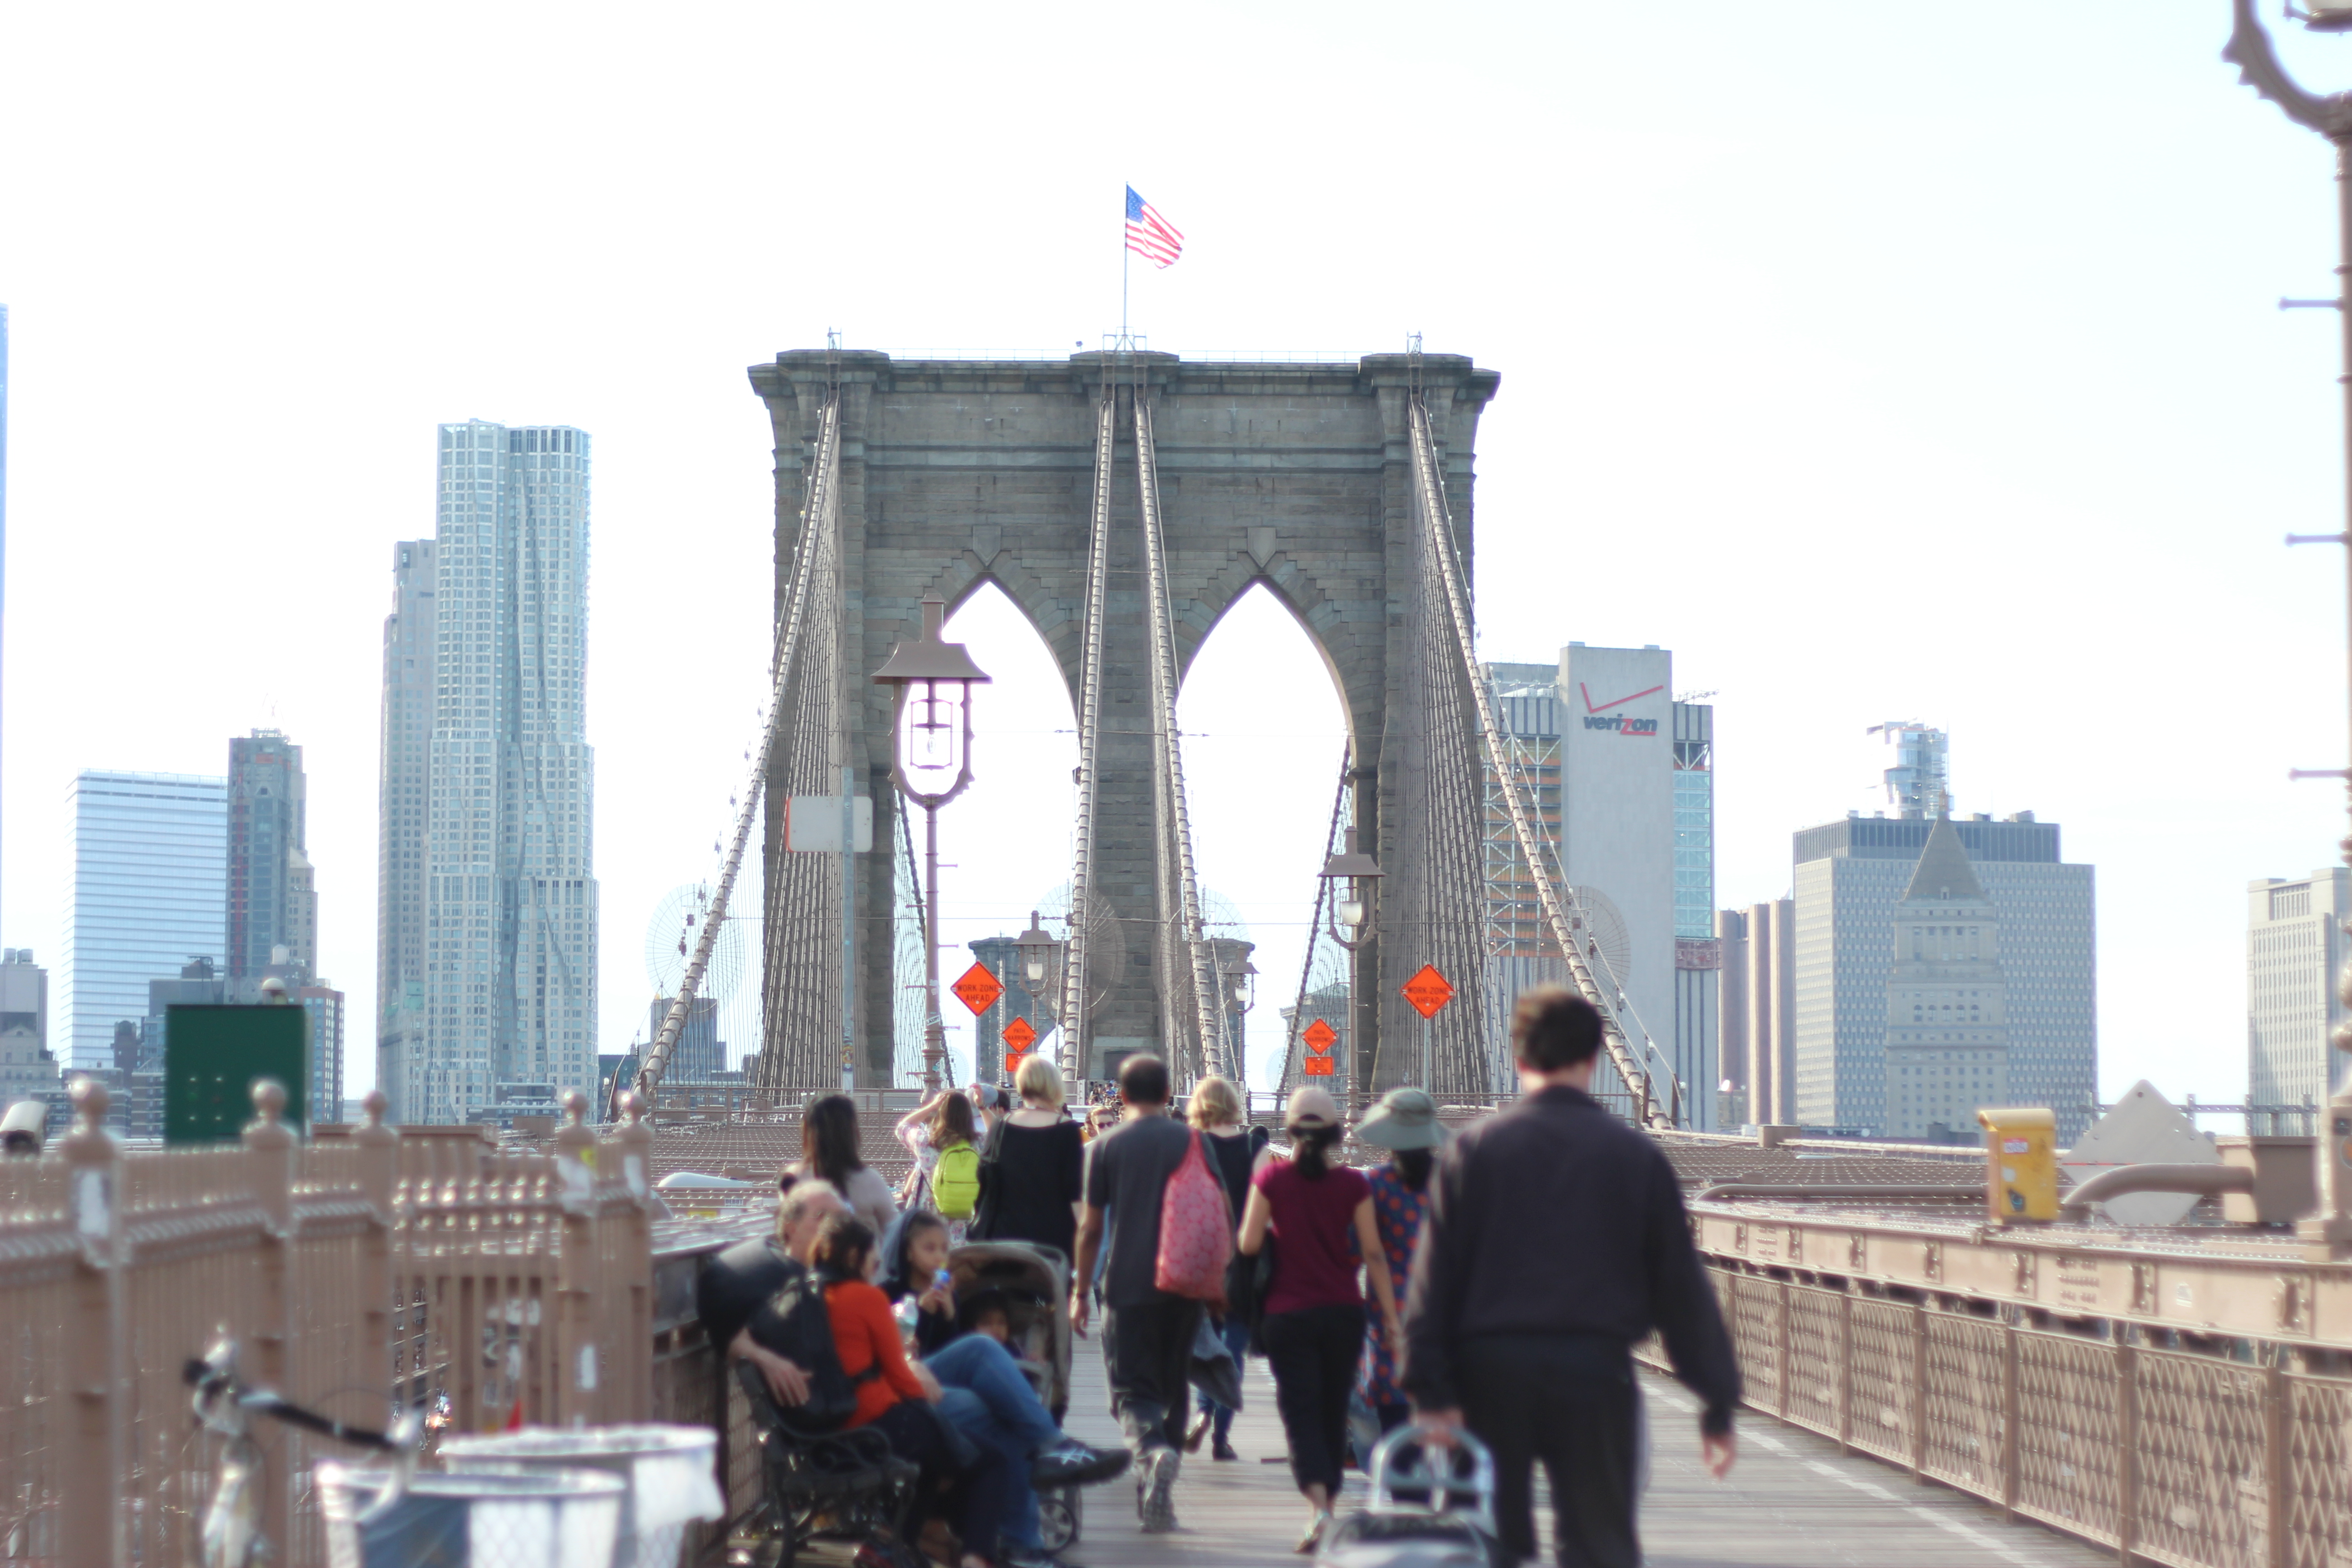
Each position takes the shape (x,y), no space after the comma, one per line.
(225,1405)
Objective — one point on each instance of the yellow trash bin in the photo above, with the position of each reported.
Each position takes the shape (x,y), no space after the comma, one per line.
(2021,1163)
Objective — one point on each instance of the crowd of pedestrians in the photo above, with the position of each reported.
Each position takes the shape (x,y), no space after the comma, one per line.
(1493,1282)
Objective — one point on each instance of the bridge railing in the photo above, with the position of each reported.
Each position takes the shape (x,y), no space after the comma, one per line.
(2228,1459)
(356,1274)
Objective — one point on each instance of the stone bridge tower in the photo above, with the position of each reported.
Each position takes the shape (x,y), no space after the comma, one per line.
(956,473)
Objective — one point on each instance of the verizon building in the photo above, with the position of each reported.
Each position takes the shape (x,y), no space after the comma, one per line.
(1624,787)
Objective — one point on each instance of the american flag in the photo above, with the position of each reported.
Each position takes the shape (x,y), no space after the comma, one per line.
(1149,234)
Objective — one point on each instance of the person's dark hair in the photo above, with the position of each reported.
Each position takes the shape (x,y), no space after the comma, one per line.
(981,1302)
(1310,1150)
(1552,1027)
(1414,1166)
(1143,1080)
(843,1242)
(829,1139)
(951,1122)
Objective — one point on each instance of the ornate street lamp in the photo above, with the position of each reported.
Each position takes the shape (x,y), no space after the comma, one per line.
(1041,957)
(930,761)
(2250,50)
(1350,874)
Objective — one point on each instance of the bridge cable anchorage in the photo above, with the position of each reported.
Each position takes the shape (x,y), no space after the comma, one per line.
(819,521)
(1183,936)
(1553,898)
(1090,657)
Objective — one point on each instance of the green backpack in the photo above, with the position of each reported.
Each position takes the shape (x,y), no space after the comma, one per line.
(955,1182)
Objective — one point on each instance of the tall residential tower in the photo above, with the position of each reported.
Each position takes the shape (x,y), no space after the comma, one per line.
(2294,945)
(407,736)
(272,902)
(509,893)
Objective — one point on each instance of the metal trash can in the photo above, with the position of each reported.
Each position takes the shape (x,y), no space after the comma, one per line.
(549,1518)
(672,1474)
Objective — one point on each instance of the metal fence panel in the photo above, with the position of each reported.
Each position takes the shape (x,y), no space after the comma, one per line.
(2068,1393)
(1817,1357)
(2318,1471)
(2201,1447)
(1962,1407)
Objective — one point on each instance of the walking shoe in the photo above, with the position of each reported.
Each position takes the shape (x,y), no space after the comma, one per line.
(1071,1463)
(1199,1429)
(1157,1506)
(1225,1450)
(1313,1537)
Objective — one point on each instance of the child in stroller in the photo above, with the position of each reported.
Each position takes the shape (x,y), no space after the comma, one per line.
(990,1321)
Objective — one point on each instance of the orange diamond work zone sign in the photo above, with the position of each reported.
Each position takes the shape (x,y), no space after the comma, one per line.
(1316,1066)
(1019,1036)
(1428,990)
(1320,1037)
(978,988)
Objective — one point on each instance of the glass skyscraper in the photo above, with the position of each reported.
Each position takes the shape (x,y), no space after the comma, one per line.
(150,892)
(508,789)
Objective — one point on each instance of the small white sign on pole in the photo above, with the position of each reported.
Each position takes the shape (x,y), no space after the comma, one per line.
(812,822)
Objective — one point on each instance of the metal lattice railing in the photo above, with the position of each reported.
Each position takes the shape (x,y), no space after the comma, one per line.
(2166,1455)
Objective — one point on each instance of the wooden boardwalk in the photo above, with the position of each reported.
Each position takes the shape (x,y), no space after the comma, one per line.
(1793,1499)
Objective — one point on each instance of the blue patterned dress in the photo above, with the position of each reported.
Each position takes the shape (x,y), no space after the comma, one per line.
(1397,1212)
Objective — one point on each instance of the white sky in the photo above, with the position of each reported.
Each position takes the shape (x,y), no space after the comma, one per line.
(1882,361)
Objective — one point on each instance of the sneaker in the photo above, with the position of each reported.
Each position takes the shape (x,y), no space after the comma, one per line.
(1071,1463)
(1225,1450)
(1157,1507)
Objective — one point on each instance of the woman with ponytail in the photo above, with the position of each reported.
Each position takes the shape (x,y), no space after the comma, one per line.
(1405,1124)
(1320,1217)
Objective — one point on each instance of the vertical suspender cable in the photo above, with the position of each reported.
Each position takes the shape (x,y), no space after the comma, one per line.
(1168,741)
(819,519)
(1439,526)
(1082,863)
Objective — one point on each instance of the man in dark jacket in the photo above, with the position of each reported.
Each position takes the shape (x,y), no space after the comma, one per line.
(1556,1241)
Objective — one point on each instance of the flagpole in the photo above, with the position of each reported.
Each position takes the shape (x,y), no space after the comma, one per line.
(1123,254)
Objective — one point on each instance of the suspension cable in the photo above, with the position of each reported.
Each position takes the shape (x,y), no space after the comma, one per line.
(1438,522)
(1291,1062)
(818,519)
(1082,860)
(1169,739)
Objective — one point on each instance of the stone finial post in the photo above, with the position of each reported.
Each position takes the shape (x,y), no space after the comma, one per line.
(271,1149)
(580,1287)
(90,1517)
(637,1141)
(633,1378)
(379,1148)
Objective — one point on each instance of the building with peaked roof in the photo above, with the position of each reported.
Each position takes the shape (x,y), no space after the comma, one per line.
(1852,879)
(1946,1038)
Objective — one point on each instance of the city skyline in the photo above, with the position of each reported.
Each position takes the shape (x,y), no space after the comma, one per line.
(1707,435)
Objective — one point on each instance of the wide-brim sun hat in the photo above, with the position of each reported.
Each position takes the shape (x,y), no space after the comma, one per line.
(1404,1118)
(1310,1109)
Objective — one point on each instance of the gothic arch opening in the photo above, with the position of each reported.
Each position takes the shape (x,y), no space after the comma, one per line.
(1264,730)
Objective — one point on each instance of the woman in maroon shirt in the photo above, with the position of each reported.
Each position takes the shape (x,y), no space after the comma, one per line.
(1320,1217)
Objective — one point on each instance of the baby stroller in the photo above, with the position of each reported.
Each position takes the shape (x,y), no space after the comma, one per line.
(1392,1532)
(1035,1280)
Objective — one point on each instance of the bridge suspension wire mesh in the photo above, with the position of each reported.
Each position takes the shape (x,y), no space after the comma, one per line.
(1190,995)
(812,596)
(1075,996)
(1450,615)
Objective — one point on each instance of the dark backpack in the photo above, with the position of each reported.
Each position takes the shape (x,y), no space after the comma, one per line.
(796,1324)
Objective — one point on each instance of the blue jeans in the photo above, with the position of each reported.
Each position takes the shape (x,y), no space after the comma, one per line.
(1236,1334)
(992,1403)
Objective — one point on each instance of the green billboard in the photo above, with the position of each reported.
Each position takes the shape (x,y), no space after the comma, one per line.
(213,1054)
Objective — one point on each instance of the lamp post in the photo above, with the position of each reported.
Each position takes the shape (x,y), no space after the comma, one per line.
(2250,50)
(930,764)
(1240,978)
(1041,962)
(1350,874)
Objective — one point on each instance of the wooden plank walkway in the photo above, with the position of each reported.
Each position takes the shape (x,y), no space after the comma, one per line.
(1793,1499)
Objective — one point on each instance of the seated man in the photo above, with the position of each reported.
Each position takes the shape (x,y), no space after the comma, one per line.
(742,1279)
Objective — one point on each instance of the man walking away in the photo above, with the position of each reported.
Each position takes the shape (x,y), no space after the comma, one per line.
(1556,1241)
(1148,1332)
